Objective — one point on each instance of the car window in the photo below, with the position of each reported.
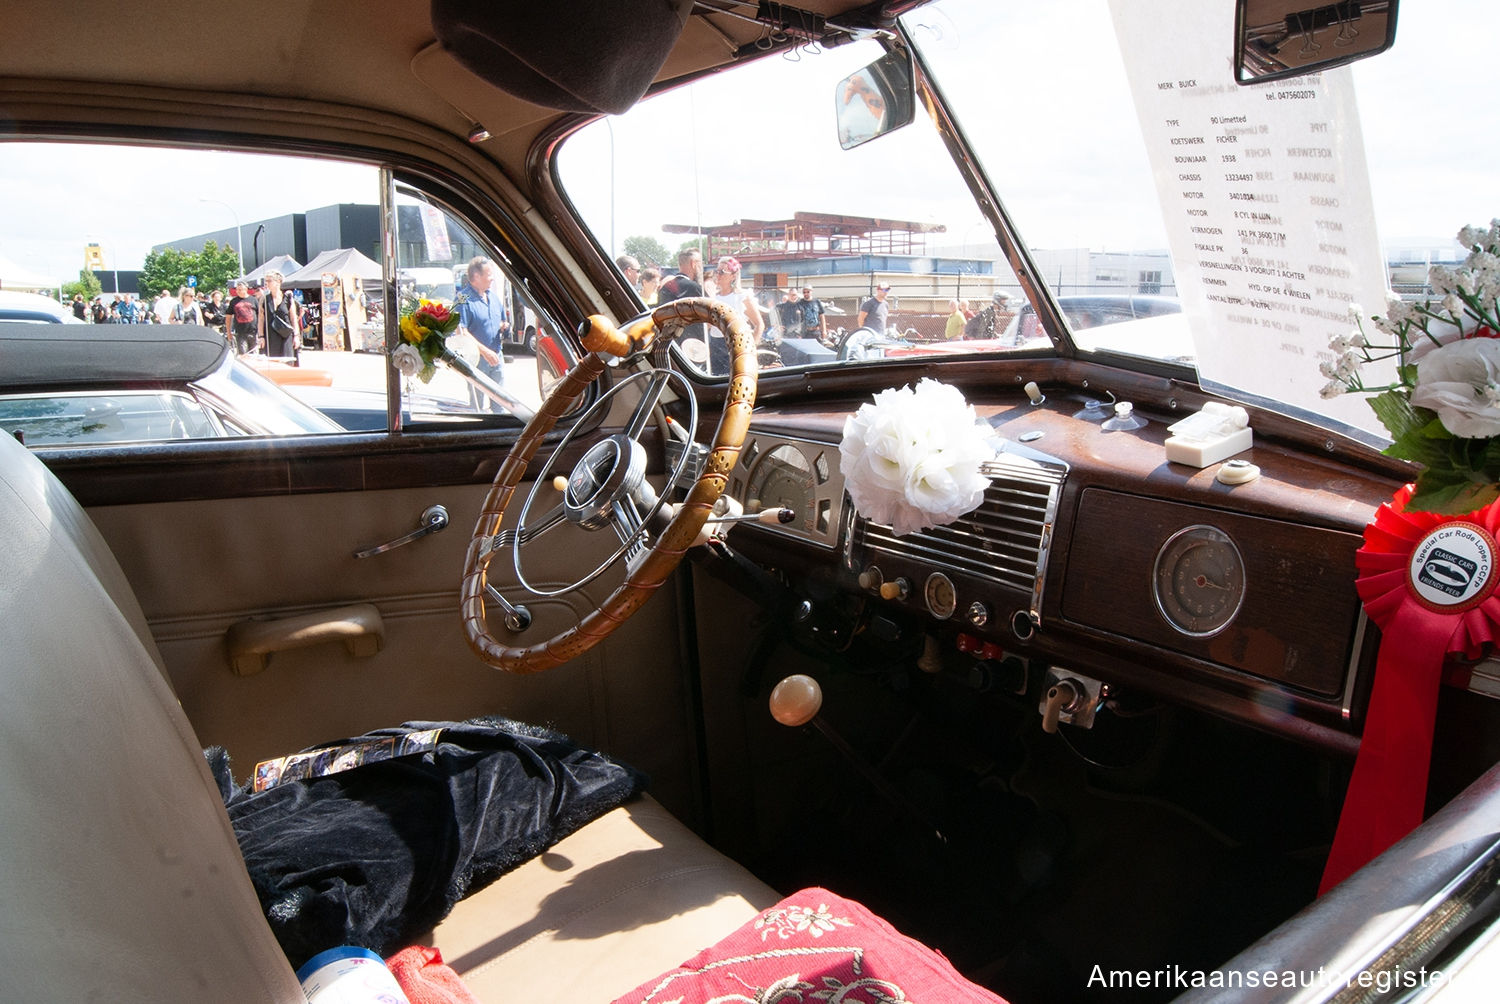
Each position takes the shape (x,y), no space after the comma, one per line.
(497,327)
(93,419)
(170,239)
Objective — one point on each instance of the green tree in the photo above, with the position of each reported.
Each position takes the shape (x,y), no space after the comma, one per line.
(647,250)
(165,269)
(695,243)
(87,285)
(170,268)
(216,266)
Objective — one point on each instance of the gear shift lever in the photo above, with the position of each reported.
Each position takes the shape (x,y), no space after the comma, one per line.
(796,701)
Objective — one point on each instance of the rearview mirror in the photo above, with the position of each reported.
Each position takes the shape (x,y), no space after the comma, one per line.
(875,100)
(1287,38)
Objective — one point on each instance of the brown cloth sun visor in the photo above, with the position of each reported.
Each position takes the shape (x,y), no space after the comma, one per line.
(588,56)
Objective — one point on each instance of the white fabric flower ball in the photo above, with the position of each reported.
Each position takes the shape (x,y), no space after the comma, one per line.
(911,459)
(407,360)
(1457,381)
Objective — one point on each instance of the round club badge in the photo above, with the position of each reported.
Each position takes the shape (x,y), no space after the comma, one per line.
(1452,569)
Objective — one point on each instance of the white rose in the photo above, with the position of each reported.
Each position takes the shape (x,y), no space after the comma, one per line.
(912,458)
(407,360)
(1457,381)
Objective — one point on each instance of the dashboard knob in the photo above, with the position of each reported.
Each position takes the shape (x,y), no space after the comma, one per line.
(978,614)
(796,700)
(897,589)
(870,579)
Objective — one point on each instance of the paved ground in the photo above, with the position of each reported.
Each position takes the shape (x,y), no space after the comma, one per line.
(366,371)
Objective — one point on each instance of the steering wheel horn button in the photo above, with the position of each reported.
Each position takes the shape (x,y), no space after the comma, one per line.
(609,472)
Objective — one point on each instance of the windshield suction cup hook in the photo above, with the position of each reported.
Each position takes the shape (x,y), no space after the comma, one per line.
(1095,410)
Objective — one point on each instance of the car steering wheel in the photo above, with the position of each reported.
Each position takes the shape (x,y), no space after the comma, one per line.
(595,495)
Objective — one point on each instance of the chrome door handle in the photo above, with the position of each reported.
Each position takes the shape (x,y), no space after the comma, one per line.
(434,518)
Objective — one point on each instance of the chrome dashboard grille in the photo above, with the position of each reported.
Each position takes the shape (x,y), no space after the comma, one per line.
(1004,540)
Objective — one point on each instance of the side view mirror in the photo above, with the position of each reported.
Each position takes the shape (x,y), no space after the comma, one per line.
(875,100)
(1287,38)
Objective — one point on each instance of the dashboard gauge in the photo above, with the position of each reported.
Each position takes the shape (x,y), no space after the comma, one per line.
(783,477)
(941,598)
(1199,580)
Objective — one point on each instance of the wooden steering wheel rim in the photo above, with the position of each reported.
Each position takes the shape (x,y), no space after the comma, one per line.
(603,340)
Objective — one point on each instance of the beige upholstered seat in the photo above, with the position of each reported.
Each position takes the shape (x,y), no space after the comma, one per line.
(119,873)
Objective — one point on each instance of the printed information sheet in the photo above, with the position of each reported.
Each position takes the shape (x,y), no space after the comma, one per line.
(1266,199)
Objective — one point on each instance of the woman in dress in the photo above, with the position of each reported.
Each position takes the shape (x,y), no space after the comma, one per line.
(280,330)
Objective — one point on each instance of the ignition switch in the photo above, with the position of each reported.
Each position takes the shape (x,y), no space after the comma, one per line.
(1069,698)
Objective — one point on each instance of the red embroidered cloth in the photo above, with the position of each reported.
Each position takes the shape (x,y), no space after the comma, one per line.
(814,946)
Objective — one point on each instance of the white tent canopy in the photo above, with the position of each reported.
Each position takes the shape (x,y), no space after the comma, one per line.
(343,262)
(13,276)
(283,263)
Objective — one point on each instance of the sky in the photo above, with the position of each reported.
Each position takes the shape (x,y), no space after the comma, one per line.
(56,198)
(1432,158)
(1064,152)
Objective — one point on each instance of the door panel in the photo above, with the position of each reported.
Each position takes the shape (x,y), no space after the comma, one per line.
(199,567)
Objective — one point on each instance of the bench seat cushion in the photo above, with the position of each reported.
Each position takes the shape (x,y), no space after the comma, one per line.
(630,895)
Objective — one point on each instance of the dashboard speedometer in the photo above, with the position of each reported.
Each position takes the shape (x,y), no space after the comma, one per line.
(783,477)
(1199,580)
(800,475)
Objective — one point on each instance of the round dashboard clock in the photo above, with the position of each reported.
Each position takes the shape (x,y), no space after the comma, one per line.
(1199,580)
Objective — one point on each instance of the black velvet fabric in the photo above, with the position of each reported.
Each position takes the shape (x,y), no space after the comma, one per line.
(594,56)
(377,855)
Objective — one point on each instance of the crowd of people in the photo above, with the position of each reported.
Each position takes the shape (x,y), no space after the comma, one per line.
(797,313)
(261,319)
(793,316)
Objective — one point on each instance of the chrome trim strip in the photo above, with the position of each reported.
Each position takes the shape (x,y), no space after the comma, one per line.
(1006,541)
(1351,672)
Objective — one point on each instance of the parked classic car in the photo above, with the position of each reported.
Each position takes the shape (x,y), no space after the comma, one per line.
(33,308)
(88,386)
(1088,739)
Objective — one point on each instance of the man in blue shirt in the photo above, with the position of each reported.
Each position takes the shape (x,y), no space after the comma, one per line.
(482,313)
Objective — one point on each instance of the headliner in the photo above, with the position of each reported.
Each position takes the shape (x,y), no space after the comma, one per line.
(381,55)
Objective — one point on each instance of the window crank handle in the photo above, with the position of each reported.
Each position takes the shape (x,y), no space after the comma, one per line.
(434,518)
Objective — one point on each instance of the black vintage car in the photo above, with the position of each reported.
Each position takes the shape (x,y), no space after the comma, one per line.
(1054,656)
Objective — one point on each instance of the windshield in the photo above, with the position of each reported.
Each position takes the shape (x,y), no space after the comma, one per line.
(1172,214)
(835,254)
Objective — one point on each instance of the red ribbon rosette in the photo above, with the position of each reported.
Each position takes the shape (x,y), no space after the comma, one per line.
(1429,582)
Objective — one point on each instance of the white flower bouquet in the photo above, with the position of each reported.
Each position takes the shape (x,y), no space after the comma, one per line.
(912,458)
(1443,410)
